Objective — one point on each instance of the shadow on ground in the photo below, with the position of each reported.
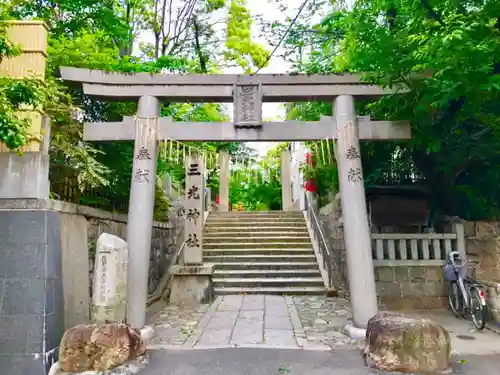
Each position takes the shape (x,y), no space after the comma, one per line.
(250,361)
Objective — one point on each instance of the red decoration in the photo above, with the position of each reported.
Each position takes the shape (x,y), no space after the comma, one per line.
(309,159)
(311,186)
(217,199)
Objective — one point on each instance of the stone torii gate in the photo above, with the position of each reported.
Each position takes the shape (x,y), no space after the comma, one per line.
(247,93)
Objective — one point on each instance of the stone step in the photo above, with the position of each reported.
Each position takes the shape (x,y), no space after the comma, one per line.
(250,230)
(253,224)
(296,290)
(245,273)
(256,217)
(212,238)
(284,252)
(288,232)
(244,245)
(267,282)
(257,223)
(264,265)
(258,213)
(258,258)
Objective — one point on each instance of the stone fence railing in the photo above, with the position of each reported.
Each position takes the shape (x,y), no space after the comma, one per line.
(408,266)
(423,249)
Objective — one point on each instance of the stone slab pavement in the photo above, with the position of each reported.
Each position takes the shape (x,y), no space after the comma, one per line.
(258,361)
(233,335)
(238,321)
(286,322)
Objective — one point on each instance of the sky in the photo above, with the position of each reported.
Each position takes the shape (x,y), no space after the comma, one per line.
(270,12)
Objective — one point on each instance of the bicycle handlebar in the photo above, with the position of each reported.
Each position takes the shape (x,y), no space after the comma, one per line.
(454,256)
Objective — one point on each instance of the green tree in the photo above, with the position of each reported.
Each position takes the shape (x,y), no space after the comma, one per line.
(447,53)
(100,35)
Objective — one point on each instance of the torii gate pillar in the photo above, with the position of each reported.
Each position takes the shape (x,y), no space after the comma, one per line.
(286,180)
(225,175)
(140,213)
(356,230)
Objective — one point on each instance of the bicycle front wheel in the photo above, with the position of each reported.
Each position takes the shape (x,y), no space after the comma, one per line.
(455,299)
(477,310)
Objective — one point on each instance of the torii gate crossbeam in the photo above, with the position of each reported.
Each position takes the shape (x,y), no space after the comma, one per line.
(269,131)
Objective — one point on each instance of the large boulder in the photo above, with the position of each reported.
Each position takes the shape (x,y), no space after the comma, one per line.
(402,344)
(99,347)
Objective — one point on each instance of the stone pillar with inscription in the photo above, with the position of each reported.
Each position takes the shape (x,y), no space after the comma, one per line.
(286,180)
(192,280)
(109,297)
(141,206)
(356,230)
(194,211)
(225,176)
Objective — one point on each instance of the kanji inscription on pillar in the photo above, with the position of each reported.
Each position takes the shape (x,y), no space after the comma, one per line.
(193,241)
(193,215)
(194,170)
(193,192)
(181,211)
(141,176)
(143,154)
(352,153)
(355,175)
(247,105)
(193,210)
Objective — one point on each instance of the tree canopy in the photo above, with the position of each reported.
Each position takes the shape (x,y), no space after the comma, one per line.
(106,35)
(446,53)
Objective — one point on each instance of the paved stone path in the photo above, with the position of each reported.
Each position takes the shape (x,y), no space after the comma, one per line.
(323,319)
(255,321)
(307,322)
(173,324)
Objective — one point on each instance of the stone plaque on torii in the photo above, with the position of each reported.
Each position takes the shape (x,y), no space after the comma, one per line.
(247,105)
(248,93)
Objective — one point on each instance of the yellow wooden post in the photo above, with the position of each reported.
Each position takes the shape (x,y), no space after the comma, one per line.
(31,37)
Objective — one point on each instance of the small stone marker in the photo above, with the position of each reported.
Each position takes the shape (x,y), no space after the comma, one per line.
(109,299)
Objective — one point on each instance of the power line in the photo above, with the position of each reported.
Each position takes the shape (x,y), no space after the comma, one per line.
(292,24)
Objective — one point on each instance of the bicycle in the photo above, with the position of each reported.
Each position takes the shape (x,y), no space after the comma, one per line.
(465,296)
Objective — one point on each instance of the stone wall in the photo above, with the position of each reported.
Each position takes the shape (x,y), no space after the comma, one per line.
(332,225)
(403,287)
(398,287)
(164,242)
(78,229)
(482,240)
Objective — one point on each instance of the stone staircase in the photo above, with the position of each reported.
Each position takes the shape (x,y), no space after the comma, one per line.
(261,253)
